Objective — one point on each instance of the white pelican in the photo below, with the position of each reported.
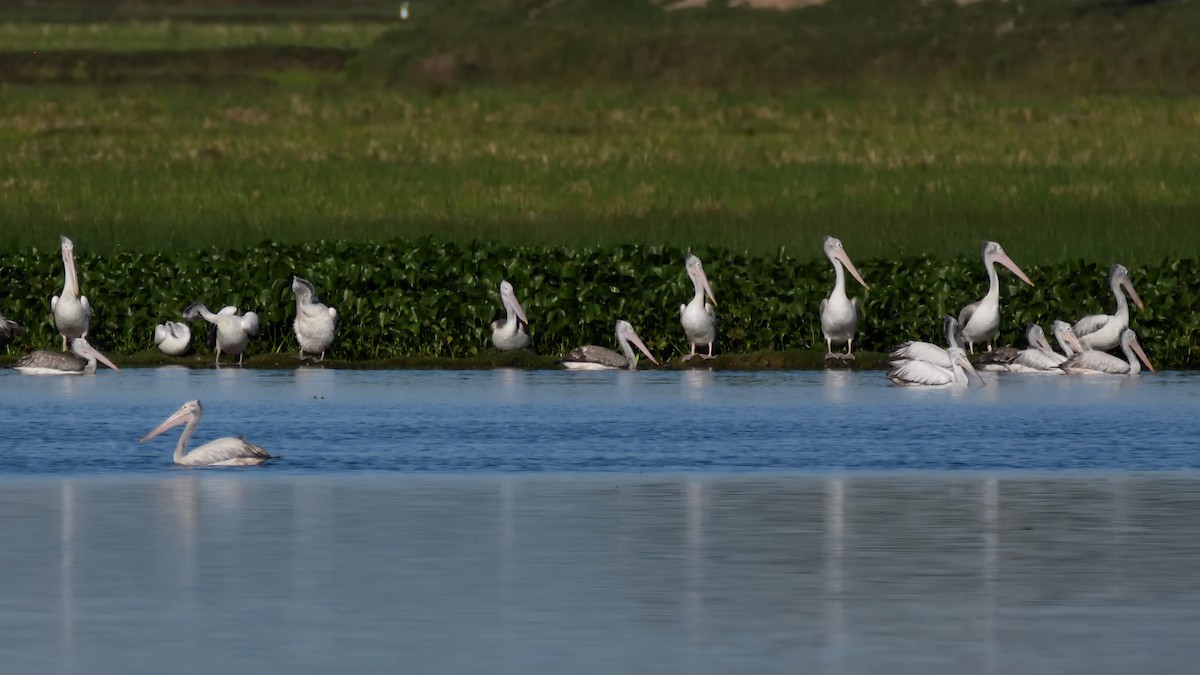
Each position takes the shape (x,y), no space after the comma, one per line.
(228,451)
(233,331)
(980,320)
(929,352)
(925,374)
(699,318)
(72,311)
(314,323)
(591,357)
(1100,363)
(173,338)
(509,333)
(81,361)
(1043,359)
(9,328)
(839,314)
(1103,331)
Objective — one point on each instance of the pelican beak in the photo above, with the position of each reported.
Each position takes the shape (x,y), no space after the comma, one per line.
(181,416)
(1042,344)
(68,257)
(88,349)
(637,342)
(969,369)
(845,260)
(1073,342)
(1003,259)
(703,279)
(510,299)
(1128,286)
(1137,349)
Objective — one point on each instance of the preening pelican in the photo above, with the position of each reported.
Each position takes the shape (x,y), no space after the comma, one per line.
(929,352)
(980,320)
(1103,331)
(172,338)
(80,361)
(839,314)
(925,374)
(1043,359)
(1100,363)
(233,331)
(228,451)
(699,318)
(315,322)
(509,333)
(591,357)
(72,311)
(9,328)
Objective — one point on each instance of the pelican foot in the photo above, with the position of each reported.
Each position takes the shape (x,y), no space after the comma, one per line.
(831,356)
(689,356)
(707,357)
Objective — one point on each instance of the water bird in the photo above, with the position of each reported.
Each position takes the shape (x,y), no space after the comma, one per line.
(925,374)
(929,352)
(173,338)
(510,332)
(1093,362)
(699,318)
(72,311)
(591,357)
(81,360)
(839,314)
(315,322)
(997,359)
(228,451)
(1103,331)
(1042,358)
(980,320)
(233,331)
(9,329)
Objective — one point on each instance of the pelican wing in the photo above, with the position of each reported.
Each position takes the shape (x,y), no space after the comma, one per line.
(967,312)
(161,332)
(249,322)
(1036,360)
(228,451)
(920,373)
(997,359)
(41,360)
(87,306)
(1090,324)
(922,351)
(592,357)
(9,328)
(1092,362)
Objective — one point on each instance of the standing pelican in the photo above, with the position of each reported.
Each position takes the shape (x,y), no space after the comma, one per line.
(591,357)
(228,451)
(173,338)
(839,314)
(82,361)
(925,374)
(1043,359)
(980,320)
(233,331)
(72,311)
(1100,363)
(1103,331)
(699,318)
(929,352)
(314,323)
(9,328)
(509,333)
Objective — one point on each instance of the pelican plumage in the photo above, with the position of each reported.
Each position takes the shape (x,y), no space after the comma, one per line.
(699,318)
(999,358)
(228,451)
(1043,359)
(173,338)
(980,320)
(839,314)
(9,329)
(72,311)
(315,322)
(591,357)
(1093,362)
(81,360)
(233,331)
(509,333)
(929,352)
(925,374)
(1103,331)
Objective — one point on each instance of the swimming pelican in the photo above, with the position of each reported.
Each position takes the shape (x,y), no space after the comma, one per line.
(228,451)
(699,318)
(233,331)
(929,352)
(925,374)
(839,314)
(1103,331)
(509,333)
(72,311)
(1101,363)
(980,320)
(173,338)
(997,359)
(591,357)
(315,322)
(1043,359)
(81,362)
(9,328)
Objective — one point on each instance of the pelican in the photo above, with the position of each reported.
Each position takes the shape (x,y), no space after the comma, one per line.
(699,318)
(233,331)
(72,311)
(999,358)
(1043,359)
(839,314)
(591,357)
(929,352)
(314,323)
(925,374)
(82,361)
(228,451)
(172,338)
(509,333)
(9,328)
(980,320)
(1103,331)
(1100,363)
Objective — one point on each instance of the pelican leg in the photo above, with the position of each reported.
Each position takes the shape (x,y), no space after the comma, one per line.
(710,354)
(217,362)
(692,354)
(240,357)
(64,343)
(322,358)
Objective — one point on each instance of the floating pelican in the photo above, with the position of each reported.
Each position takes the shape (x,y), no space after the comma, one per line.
(839,314)
(929,352)
(925,374)
(80,361)
(72,311)
(1043,359)
(699,318)
(172,338)
(980,320)
(233,331)
(9,328)
(314,323)
(997,359)
(1100,363)
(509,333)
(1103,331)
(591,357)
(228,451)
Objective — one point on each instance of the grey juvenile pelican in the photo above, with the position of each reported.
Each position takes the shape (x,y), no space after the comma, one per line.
(699,318)
(233,331)
(173,338)
(315,322)
(980,320)
(1100,363)
(839,314)
(925,374)
(1103,331)
(929,352)
(72,311)
(509,333)
(591,357)
(81,360)
(228,451)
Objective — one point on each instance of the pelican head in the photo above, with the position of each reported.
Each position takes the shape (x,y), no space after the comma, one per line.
(85,351)
(186,413)
(627,336)
(1066,337)
(695,270)
(1129,342)
(304,289)
(993,253)
(837,254)
(953,331)
(958,356)
(509,297)
(68,257)
(1118,278)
